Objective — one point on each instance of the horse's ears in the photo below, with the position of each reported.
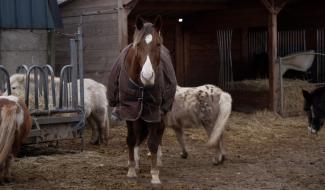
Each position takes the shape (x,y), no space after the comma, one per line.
(139,22)
(306,95)
(158,23)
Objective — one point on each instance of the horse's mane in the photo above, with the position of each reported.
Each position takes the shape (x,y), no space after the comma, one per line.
(147,28)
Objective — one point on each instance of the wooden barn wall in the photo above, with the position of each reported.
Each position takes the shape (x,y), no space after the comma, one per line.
(100,28)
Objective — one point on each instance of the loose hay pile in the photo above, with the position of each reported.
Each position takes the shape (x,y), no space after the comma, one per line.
(259,92)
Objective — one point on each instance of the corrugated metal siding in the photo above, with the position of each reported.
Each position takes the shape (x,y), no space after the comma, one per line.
(29,14)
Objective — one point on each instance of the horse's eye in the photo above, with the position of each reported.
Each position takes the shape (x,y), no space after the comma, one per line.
(13,88)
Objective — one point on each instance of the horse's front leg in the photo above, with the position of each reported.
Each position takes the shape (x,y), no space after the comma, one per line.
(131,141)
(7,174)
(155,136)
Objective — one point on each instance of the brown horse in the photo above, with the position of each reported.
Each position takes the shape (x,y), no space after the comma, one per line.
(15,124)
(142,87)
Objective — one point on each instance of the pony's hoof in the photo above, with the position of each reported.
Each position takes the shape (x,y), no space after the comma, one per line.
(219,160)
(131,173)
(184,155)
(149,154)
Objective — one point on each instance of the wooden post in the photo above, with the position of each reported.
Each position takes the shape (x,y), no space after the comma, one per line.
(124,9)
(273,69)
(179,66)
(274,10)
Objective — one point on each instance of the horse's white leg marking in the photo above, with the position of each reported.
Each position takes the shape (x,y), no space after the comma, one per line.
(159,157)
(131,172)
(137,157)
(155,176)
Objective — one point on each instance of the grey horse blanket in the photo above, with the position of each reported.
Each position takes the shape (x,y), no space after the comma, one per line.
(133,101)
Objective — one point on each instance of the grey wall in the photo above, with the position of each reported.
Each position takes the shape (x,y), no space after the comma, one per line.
(22,47)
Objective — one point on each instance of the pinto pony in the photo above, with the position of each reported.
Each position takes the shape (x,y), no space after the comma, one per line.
(96,104)
(142,87)
(207,106)
(15,124)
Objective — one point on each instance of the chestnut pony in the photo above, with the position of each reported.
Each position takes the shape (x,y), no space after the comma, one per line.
(142,87)
(15,124)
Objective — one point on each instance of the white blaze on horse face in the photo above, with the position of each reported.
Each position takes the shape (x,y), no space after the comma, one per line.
(148,38)
(147,74)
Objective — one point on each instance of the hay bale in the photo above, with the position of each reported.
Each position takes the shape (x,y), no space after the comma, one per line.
(292,95)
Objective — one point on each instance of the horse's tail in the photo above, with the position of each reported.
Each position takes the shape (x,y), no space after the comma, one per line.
(107,129)
(12,117)
(223,115)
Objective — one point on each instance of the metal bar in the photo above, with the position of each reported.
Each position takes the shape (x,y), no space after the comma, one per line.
(74,72)
(281,88)
(63,84)
(36,90)
(80,64)
(22,69)
(7,78)
(37,70)
(49,70)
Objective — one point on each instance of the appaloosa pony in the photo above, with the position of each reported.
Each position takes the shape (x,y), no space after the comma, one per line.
(15,124)
(142,87)
(315,108)
(207,106)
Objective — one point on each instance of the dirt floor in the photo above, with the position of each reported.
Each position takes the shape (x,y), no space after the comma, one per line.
(264,151)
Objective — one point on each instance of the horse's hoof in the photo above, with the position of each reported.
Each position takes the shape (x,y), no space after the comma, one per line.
(184,155)
(219,160)
(149,154)
(159,163)
(131,173)
(155,181)
(8,179)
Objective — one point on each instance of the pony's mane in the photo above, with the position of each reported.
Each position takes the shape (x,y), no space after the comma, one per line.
(139,34)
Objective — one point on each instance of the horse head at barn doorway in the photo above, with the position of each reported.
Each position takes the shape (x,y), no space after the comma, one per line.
(143,59)
(142,86)
(314,107)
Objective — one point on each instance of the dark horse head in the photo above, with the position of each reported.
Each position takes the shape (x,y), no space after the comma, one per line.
(143,58)
(315,108)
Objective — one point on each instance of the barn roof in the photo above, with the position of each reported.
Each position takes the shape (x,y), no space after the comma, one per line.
(30,14)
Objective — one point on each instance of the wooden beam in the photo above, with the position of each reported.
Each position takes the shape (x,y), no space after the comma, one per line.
(181,6)
(274,7)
